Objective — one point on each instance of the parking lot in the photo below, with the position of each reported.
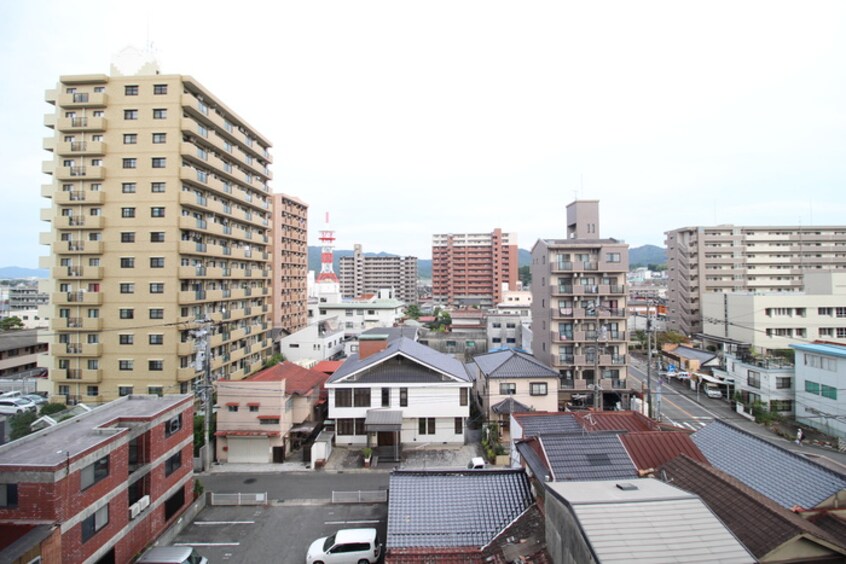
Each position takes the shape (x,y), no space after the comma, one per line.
(277,533)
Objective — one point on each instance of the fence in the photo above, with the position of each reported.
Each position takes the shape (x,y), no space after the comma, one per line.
(360,496)
(239,499)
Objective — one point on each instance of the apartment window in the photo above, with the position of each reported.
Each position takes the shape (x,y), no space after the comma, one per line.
(127,288)
(753,379)
(403,397)
(155,390)
(159,162)
(174,503)
(127,313)
(155,365)
(93,313)
(784,382)
(829,392)
(173,464)
(157,237)
(8,495)
(612,257)
(159,113)
(157,313)
(426,426)
(130,163)
(157,187)
(361,397)
(94,472)
(507,389)
(92,391)
(126,339)
(130,114)
(346,426)
(159,138)
(125,365)
(463,396)
(840,311)
(127,187)
(157,287)
(343,397)
(130,138)
(127,262)
(159,89)
(157,262)
(253,408)
(127,237)
(130,90)
(538,389)
(95,522)
(156,339)
(93,364)
(829,311)
(386,397)
(157,212)
(781,405)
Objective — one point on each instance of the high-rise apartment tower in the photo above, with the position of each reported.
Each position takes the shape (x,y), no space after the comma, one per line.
(729,258)
(360,274)
(290,263)
(160,217)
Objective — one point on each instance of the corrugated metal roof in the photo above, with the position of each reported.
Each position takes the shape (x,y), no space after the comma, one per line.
(513,364)
(454,509)
(537,423)
(785,477)
(654,522)
(761,524)
(591,456)
(651,449)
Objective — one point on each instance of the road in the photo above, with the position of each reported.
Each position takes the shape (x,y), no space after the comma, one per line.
(281,486)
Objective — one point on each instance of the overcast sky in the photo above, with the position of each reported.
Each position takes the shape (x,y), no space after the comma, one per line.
(405,119)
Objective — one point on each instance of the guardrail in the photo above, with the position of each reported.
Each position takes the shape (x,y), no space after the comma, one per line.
(239,499)
(360,496)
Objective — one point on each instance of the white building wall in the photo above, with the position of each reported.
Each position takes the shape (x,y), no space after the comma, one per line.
(815,409)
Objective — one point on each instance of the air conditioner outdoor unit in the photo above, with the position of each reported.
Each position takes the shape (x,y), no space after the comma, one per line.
(144,502)
(134,510)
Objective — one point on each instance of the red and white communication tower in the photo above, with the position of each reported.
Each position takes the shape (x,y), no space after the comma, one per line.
(327,243)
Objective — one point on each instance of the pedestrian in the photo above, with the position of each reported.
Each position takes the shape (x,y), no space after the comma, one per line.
(799,436)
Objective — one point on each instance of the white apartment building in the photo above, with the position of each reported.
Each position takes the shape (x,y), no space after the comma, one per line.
(769,381)
(769,321)
(820,373)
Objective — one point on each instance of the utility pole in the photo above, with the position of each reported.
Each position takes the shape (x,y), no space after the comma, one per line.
(202,361)
(649,357)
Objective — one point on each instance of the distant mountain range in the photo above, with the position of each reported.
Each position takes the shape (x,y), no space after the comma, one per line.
(16,272)
(638,256)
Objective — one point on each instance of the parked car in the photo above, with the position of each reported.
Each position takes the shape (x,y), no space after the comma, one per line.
(347,546)
(713,391)
(172,555)
(37,399)
(476,463)
(14,406)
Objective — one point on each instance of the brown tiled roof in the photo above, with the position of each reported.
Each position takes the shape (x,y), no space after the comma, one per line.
(328,366)
(651,449)
(829,521)
(298,380)
(631,421)
(757,521)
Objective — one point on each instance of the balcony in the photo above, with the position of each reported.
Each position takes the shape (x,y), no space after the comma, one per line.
(84,323)
(83,100)
(80,375)
(71,197)
(80,173)
(77,273)
(95,124)
(81,148)
(77,298)
(86,349)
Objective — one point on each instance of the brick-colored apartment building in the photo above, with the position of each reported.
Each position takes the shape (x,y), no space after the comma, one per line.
(470,268)
(99,487)
(290,263)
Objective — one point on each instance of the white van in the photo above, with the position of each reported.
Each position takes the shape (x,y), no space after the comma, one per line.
(347,546)
(712,391)
(172,555)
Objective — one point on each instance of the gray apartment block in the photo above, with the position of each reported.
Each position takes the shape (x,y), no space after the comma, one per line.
(361,274)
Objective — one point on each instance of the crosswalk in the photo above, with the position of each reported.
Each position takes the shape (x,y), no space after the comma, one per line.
(693,425)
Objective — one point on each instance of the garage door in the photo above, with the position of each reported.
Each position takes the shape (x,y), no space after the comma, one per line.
(249,450)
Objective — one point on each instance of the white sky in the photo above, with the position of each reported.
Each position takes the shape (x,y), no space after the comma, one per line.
(405,119)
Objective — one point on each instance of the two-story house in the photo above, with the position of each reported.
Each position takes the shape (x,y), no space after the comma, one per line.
(396,392)
(510,381)
(257,416)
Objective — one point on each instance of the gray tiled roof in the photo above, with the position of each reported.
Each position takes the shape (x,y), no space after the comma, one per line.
(510,405)
(405,347)
(548,423)
(785,477)
(513,364)
(587,456)
(454,509)
(536,463)
(696,354)
(394,333)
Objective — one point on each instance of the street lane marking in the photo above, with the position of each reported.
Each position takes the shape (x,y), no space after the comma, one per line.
(207,544)
(224,522)
(364,522)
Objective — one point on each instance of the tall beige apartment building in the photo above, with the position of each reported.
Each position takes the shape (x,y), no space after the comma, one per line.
(471,268)
(579,308)
(290,263)
(360,274)
(729,258)
(160,216)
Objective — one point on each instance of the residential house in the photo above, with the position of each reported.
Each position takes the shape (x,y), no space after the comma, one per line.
(766,380)
(771,533)
(399,392)
(504,330)
(359,315)
(319,340)
(468,516)
(99,487)
(510,381)
(820,373)
(263,418)
(788,478)
(634,521)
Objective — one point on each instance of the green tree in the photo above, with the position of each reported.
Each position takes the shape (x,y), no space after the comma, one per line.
(51,408)
(199,435)
(274,360)
(9,323)
(665,337)
(413,311)
(20,424)
(524,273)
(639,337)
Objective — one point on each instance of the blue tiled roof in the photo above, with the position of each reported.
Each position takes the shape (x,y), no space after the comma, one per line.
(513,364)
(785,477)
(454,508)
(421,354)
(587,456)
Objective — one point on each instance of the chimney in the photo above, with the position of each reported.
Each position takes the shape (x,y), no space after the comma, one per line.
(371,344)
